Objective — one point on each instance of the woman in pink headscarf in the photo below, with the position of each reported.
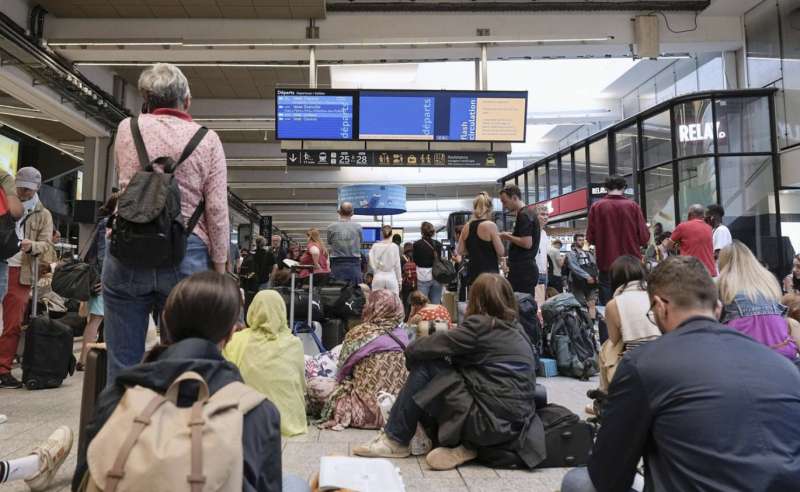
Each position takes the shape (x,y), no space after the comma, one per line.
(371,361)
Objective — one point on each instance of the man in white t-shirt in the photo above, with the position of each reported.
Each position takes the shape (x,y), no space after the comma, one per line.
(541,255)
(722,235)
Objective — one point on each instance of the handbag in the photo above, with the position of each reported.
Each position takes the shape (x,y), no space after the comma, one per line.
(444,272)
(75,279)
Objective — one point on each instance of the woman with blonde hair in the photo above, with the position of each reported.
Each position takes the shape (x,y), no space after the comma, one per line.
(316,254)
(751,298)
(480,240)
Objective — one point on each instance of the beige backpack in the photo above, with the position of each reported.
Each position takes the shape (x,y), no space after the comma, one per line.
(149,443)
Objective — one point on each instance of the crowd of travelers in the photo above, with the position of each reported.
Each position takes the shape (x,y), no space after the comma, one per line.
(687,317)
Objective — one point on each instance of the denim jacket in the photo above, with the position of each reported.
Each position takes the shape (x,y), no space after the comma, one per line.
(743,307)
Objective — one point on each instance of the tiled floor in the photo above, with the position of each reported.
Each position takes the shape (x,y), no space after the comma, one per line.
(32,416)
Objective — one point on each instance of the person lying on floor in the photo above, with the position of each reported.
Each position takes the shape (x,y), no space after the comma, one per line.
(271,359)
(199,318)
(480,403)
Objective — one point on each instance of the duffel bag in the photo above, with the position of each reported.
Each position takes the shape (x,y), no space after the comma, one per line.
(74,280)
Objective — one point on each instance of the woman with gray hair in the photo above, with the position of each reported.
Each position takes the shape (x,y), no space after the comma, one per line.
(132,292)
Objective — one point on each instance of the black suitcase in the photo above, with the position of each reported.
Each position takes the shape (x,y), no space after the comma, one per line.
(568,439)
(47,359)
(333,332)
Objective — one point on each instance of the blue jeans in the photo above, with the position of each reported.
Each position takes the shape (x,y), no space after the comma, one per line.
(432,289)
(346,270)
(578,480)
(131,294)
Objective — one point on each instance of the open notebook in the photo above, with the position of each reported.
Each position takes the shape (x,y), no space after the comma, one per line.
(360,474)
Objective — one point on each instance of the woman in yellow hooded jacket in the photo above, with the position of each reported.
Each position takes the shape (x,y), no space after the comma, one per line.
(271,360)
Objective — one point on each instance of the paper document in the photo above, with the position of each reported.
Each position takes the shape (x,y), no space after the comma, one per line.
(359,474)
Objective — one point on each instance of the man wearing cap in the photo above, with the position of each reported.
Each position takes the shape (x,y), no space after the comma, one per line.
(35,230)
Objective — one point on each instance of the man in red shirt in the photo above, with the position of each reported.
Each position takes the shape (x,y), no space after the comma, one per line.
(695,238)
(616,228)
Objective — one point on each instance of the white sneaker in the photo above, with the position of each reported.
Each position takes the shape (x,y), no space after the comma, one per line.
(449,458)
(382,446)
(52,454)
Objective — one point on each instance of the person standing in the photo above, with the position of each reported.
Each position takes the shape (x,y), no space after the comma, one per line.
(131,292)
(555,278)
(541,254)
(523,273)
(15,209)
(583,274)
(264,262)
(722,235)
(616,228)
(425,251)
(480,241)
(35,231)
(344,244)
(384,261)
(695,238)
(317,255)
(707,407)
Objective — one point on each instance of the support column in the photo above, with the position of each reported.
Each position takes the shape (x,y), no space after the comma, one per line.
(484,68)
(312,67)
(99,176)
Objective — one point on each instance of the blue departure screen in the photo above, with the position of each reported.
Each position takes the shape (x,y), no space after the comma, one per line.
(314,114)
(396,116)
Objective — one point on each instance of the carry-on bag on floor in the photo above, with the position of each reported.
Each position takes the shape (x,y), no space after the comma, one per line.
(568,439)
(94,381)
(47,359)
(308,331)
(333,331)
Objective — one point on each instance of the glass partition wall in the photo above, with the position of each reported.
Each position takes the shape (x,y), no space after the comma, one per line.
(707,147)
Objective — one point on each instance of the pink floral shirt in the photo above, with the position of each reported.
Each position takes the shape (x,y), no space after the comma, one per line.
(203,175)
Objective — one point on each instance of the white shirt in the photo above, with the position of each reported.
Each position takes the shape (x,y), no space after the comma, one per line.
(541,255)
(722,237)
(385,258)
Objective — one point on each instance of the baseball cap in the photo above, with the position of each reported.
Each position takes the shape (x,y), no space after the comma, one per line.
(29,177)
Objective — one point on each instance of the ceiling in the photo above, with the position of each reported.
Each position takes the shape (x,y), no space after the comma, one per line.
(185,9)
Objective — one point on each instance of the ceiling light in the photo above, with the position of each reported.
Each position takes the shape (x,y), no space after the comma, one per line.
(194,64)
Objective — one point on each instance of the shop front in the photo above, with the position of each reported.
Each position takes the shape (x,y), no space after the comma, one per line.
(706,147)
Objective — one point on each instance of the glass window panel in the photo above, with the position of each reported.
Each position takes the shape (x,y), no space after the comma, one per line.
(647,95)
(627,150)
(790,31)
(790,220)
(541,184)
(566,173)
(763,44)
(743,125)
(598,160)
(630,105)
(685,76)
(697,184)
(710,72)
(660,200)
(747,192)
(579,156)
(665,84)
(552,172)
(631,187)
(531,186)
(657,139)
(694,128)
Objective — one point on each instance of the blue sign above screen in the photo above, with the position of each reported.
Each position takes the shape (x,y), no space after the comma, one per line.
(448,116)
(310,114)
(445,116)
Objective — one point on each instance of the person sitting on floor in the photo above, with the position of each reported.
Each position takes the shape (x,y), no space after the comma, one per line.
(271,360)
(707,407)
(371,361)
(423,310)
(472,388)
(751,298)
(199,318)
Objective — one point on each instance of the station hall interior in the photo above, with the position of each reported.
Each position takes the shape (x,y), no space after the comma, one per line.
(691,101)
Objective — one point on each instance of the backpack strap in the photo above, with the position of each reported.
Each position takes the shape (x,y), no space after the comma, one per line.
(187,151)
(237,394)
(117,471)
(141,150)
(196,423)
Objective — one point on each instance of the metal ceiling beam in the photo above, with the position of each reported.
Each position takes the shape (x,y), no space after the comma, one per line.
(349,6)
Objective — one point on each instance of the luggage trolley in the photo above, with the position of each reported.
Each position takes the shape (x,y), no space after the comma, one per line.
(300,328)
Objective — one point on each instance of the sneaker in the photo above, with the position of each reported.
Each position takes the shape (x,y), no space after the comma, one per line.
(9,381)
(382,446)
(449,458)
(52,454)
(421,444)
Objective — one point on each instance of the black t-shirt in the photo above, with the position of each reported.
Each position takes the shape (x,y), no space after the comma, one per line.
(424,252)
(265,260)
(527,224)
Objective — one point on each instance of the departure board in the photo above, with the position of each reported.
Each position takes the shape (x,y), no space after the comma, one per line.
(309,114)
(445,116)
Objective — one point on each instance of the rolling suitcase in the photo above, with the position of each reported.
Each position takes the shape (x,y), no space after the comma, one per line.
(94,381)
(568,439)
(308,331)
(47,358)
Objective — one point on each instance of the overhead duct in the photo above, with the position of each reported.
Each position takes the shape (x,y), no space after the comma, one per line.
(349,6)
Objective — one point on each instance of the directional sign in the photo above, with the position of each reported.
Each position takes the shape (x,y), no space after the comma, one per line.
(387,158)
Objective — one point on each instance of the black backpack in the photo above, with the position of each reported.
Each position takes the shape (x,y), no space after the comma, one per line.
(148,229)
(529,320)
(570,337)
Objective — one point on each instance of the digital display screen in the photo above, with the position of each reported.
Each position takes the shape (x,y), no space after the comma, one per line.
(449,116)
(415,115)
(9,153)
(370,235)
(310,114)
